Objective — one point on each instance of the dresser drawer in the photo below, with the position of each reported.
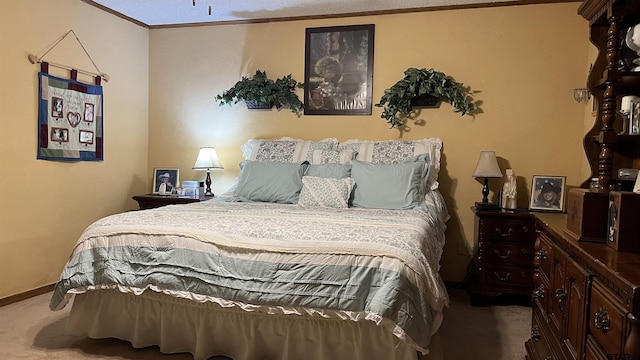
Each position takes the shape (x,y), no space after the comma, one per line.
(593,350)
(543,255)
(541,294)
(607,319)
(538,345)
(510,276)
(509,253)
(508,230)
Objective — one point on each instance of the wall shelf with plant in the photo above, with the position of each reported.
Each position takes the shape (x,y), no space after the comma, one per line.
(420,88)
(260,92)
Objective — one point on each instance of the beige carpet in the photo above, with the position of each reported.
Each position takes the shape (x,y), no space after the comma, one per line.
(28,330)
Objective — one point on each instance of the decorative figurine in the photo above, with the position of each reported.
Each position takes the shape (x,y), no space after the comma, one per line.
(509,191)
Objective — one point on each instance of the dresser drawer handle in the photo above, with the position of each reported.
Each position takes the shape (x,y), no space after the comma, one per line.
(535,332)
(561,299)
(541,254)
(503,257)
(507,234)
(502,278)
(539,292)
(602,320)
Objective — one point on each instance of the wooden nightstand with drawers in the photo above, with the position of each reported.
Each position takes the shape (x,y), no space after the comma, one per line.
(151,201)
(503,263)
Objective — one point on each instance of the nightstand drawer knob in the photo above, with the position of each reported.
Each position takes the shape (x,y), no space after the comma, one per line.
(507,234)
(503,257)
(502,278)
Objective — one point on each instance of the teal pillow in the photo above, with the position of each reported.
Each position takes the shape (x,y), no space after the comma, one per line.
(388,186)
(335,171)
(270,182)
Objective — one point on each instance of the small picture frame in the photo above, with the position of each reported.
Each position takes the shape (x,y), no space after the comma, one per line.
(57,107)
(547,193)
(89,109)
(167,176)
(59,135)
(85,137)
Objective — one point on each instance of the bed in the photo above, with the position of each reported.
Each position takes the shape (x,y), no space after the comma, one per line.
(321,250)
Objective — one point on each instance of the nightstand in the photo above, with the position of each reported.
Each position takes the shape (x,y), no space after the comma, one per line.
(504,258)
(150,201)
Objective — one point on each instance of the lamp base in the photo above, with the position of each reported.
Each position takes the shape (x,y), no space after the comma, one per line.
(486,206)
(208,183)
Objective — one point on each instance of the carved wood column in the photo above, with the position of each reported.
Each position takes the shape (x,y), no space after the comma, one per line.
(609,106)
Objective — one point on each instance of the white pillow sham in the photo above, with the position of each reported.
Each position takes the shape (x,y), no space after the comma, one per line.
(285,149)
(321,156)
(397,151)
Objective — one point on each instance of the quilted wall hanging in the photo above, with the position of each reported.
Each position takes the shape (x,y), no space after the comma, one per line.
(69,111)
(69,120)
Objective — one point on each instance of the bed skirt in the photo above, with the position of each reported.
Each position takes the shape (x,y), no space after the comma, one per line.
(206,329)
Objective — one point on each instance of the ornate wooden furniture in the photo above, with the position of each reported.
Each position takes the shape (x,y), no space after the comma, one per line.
(586,298)
(150,201)
(608,81)
(504,259)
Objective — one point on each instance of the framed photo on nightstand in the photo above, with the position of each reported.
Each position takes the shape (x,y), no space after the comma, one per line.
(547,193)
(167,176)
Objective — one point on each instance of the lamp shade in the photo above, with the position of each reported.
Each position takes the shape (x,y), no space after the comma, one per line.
(487,165)
(207,160)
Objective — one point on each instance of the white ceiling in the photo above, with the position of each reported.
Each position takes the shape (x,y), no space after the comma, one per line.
(177,12)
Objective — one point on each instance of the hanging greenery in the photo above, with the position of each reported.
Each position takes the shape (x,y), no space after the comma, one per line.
(400,99)
(262,90)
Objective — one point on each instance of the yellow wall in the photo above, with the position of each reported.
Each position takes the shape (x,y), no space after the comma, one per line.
(45,205)
(523,60)
(159,109)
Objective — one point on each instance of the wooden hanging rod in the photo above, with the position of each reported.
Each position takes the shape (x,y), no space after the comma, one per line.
(34,59)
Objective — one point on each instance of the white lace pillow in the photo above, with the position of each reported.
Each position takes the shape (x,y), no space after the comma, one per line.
(397,151)
(332,156)
(285,149)
(325,192)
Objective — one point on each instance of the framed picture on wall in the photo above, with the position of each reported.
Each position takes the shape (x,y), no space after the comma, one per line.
(167,176)
(338,72)
(547,193)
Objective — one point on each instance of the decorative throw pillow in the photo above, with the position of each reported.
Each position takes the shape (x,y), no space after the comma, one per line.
(333,156)
(388,186)
(397,151)
(270,182)
(285,149)
(335,171)
(325,192)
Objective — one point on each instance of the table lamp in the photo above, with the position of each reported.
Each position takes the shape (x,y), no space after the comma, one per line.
(487,168)
(207,160)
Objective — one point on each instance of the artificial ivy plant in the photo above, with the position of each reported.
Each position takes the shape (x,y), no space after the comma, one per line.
(399,100)
(260,89)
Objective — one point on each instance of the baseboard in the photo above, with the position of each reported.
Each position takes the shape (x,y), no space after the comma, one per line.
(26,295)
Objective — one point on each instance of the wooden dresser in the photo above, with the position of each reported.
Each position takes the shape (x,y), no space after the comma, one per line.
(586,298)
(586,302)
